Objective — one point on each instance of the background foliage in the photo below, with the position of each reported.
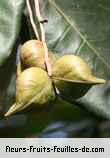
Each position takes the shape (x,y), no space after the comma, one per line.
(75,27)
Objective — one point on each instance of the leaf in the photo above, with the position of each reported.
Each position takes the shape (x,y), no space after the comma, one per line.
(10,17)
(82,28)
(7,83)
(62,116)
(64,34)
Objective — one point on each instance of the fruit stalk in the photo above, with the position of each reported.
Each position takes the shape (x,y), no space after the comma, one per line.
(32,20)
(48,65)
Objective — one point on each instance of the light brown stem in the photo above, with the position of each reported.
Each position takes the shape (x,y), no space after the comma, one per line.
(48,65)
(31,19)
(19,69)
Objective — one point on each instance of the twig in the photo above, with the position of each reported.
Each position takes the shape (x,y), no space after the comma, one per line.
(31,19)
(37,9)
(18,61)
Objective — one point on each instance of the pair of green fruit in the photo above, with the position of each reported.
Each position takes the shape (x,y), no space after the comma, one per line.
(70,74)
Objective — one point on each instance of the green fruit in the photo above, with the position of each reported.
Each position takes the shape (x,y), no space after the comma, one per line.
(73,77)
(33,86)
(33,54)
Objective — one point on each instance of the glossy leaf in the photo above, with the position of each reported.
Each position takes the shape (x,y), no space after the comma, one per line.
(61,116)
(10,17)
(82,28)
(10,21)
(74,27)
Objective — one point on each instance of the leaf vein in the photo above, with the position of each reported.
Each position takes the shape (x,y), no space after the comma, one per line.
(73,25)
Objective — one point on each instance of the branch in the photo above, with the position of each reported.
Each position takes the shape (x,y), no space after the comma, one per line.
(37,9)
(31,19)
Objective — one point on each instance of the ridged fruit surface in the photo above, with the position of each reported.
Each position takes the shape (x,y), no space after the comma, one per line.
(33,54)
(73,77)
(33,86)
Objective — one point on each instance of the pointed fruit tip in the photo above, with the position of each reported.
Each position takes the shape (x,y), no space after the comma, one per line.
(97,80)
(11,110)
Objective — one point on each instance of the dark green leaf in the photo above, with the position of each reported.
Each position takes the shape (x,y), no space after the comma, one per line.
(10,16)
(83,28)
(61,116)
(74,26)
